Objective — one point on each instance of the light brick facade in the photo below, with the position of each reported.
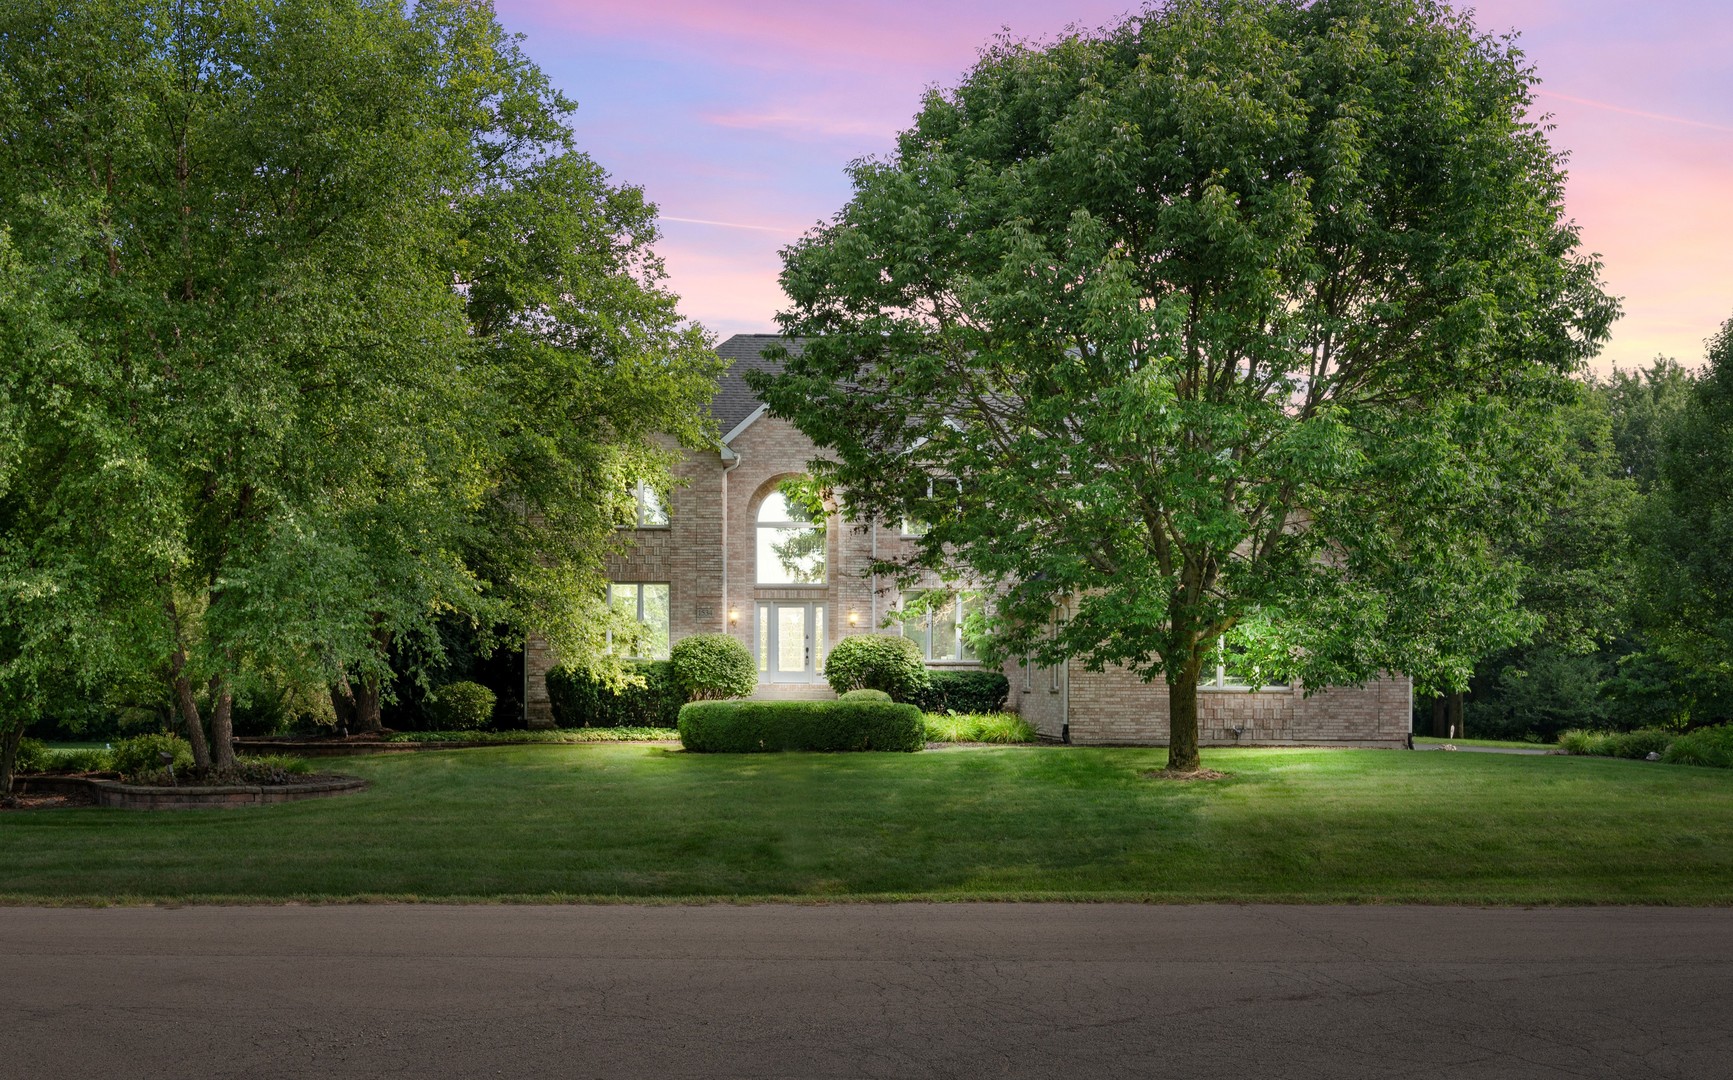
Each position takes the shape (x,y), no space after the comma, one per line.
(1115,706)
(707,556)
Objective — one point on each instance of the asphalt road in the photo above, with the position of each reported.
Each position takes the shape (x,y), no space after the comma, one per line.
(916,990)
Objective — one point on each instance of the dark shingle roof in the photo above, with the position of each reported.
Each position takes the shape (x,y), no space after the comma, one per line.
(734,400)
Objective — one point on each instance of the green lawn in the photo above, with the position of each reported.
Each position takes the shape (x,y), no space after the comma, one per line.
(545,823)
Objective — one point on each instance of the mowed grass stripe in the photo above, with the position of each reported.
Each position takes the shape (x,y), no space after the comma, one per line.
(644,822)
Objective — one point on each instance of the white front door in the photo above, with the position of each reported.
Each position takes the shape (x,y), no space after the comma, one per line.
(790,642)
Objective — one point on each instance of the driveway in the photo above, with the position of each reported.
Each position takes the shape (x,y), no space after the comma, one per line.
(916,990)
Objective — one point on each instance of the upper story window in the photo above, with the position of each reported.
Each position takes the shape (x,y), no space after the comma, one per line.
(650,512)
(791,543)
(933,619)
(915,527)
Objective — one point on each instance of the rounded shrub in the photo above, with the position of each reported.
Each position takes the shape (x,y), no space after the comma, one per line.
(878,662)
(461,706)
(141,755)
(33,756)
(864,695)
(710,667)
(756,727)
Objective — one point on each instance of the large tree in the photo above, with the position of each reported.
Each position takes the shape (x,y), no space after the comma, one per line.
(330,332)
(1228,317)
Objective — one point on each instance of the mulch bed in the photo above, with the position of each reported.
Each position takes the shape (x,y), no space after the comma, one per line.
(48,800)
(1170,774)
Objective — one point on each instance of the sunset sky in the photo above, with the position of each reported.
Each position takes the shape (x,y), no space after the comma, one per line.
(738,118)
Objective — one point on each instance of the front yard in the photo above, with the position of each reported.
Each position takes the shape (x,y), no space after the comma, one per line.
(549,823)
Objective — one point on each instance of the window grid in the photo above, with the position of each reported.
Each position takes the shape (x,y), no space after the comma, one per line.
(647,602)
(940,633)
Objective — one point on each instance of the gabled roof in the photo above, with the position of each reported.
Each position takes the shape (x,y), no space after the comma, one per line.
(735,404)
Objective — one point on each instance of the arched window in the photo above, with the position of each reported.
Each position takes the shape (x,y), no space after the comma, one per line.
(791,543)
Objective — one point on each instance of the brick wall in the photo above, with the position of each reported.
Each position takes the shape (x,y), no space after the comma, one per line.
(1116,706)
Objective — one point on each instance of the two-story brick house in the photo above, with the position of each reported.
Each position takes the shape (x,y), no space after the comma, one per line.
(730,555)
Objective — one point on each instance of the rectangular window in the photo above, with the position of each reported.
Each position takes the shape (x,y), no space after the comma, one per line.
(650,513)
(933,620)
(1228,668)
(913,526)
(647,603)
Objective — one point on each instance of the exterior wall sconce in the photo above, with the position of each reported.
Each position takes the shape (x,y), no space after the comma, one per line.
(733,616)
(854,618)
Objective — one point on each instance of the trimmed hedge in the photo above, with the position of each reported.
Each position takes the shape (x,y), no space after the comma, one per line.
(709,667)
(752,727)
(877,662)
(580,700)
(964,691)
(461,706)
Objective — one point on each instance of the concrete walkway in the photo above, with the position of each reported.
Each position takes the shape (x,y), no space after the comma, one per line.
(917,990)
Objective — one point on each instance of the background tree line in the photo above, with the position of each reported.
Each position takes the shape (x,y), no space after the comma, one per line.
(1628,583)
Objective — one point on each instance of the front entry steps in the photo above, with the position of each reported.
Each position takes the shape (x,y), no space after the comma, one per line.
(793,692)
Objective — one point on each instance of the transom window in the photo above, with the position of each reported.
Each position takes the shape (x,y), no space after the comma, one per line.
(647,604)
(933,619)
(791,543)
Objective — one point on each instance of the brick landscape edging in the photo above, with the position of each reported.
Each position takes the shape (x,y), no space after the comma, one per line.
(139,797)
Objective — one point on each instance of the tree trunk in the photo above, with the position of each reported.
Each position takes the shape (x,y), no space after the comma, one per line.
(1182,755)
(223,729)
(343,704)
(1457,722)
(1440,718)
(367,704)
(189,710)
(9,756)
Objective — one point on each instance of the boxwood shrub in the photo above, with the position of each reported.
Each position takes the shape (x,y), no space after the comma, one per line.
(141,755)
(580,700)
(877,662)
(965,691)
(752,727)
(864,695)
(461,706)
(708,667)
(33,757)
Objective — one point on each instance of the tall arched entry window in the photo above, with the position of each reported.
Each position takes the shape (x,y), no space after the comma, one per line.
(791,543)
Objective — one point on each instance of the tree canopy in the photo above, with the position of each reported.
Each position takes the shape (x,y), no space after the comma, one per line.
(1230,318)
(317,328)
